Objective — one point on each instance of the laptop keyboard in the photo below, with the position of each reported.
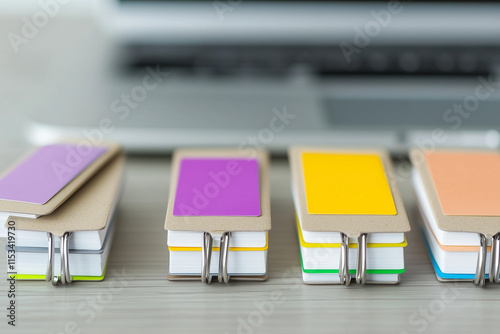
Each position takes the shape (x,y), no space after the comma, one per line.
(319,60)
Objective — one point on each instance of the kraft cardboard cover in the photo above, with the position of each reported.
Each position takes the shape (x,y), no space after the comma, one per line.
(487,225)
(111,150)
(220,223)
(351,224)
(87,210)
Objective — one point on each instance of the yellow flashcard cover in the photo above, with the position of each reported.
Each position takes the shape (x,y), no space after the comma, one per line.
(346,184)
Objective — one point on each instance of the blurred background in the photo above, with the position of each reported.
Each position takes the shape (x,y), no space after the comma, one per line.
(157,75)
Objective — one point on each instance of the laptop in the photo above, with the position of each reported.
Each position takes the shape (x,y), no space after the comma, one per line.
(246,73)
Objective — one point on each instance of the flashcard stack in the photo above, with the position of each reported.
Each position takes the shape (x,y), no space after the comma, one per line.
(458,194)
(58,205)
(218,216)
(350,218)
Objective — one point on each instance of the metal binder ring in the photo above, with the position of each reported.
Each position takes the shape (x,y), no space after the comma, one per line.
(223,254)
(495,259)
(361,270)
(64,249)
(345,277)
(206,257)
(49,274)
(481,261)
